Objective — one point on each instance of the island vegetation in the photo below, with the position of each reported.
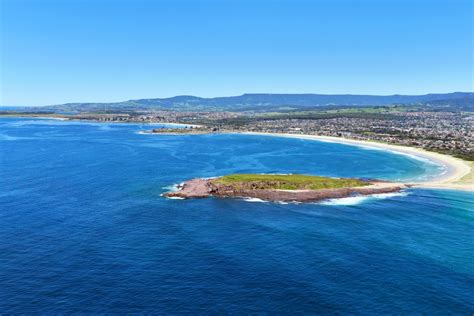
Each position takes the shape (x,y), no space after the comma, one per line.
(287,182)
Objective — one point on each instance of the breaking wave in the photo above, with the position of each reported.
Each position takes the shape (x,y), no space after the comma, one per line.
(355,200)
(255,200)
(173,187)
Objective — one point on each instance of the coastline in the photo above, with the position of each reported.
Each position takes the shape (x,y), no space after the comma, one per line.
(65,118)
(458,175)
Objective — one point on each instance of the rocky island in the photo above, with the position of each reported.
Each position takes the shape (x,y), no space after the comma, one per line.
(193,130)
(282,187)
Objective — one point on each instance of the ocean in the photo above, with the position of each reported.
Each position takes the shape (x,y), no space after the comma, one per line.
(84,228)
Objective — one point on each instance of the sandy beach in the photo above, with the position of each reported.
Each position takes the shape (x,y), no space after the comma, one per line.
(458,173)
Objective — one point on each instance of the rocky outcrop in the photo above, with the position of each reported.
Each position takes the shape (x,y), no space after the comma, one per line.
(201,188)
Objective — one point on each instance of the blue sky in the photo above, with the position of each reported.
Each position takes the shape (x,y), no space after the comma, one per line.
(111,50)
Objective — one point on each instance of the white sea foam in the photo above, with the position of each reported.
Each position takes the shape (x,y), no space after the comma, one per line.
(388,195)
(175,198)
(51,118)
(412,156)
(355,200)
(255,200)
(174,187)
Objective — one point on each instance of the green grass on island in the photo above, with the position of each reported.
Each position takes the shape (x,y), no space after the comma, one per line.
(288,182)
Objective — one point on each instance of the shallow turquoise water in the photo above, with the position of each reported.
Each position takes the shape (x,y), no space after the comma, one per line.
(84,228)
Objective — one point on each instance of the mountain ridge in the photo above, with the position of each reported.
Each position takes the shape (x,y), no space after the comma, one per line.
(268,101)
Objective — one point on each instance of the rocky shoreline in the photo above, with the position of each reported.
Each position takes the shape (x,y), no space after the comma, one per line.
(202,188)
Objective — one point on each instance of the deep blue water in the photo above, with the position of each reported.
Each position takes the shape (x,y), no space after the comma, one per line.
(84,228)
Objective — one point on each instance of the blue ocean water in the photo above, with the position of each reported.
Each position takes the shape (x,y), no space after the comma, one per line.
(84,228)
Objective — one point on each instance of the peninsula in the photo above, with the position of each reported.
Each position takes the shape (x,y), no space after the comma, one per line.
(282,187)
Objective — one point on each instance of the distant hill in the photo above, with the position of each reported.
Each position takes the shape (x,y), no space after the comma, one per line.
(266,102)
(459,104)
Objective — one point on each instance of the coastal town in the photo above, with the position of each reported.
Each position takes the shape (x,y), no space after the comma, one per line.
(450,133)
(439,131)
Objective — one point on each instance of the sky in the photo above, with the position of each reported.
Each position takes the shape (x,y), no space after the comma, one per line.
(60,51)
